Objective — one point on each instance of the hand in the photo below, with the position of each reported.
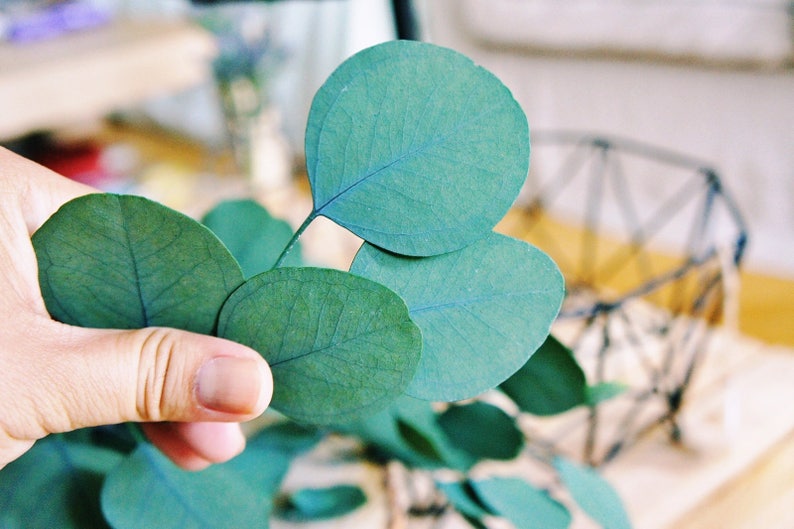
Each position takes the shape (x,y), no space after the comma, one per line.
(190,390)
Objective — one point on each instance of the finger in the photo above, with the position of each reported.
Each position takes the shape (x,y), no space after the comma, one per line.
(91,377)
(40,191)
(196,445)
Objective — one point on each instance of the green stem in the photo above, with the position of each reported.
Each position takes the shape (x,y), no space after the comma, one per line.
(295,237)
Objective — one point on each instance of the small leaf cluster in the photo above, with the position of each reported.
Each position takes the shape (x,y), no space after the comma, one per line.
(465,437)
(419,152)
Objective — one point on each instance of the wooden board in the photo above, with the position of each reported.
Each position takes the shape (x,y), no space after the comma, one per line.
(84,75)
(736,465)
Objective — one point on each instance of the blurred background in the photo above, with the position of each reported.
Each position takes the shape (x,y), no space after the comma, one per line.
(192,102)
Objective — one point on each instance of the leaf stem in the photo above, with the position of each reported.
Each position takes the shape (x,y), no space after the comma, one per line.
(295,237)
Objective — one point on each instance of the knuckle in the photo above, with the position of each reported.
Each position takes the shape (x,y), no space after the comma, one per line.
(157,374)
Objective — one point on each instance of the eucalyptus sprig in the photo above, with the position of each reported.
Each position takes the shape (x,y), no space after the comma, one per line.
(410,146)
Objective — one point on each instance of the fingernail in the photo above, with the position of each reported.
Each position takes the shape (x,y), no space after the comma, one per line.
(231,385)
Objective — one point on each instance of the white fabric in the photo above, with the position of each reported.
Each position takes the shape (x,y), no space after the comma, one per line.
(758,31)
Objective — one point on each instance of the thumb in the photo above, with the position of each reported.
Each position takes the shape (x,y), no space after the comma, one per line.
(96,376)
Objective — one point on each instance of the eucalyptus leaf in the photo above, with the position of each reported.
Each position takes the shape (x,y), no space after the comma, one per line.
(419,427)
(475,523)
(482,430)
(593,493)
(285,437)
(387,436)
(55,484)
(408,430)
(197,499)
(415,149)
(483,310)
(268,455)
(267,459)
(125,262)
(422,444)
(551,381)
(148,490)
(340,346)
(603,391)
(253,236)
(461,495)
(320,503)
(521,503)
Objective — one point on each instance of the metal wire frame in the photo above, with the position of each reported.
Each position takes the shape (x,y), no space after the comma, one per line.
(605,320)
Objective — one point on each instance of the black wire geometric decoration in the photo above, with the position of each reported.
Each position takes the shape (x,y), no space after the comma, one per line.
(650,243)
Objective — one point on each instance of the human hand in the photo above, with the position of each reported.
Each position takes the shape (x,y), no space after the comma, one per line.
(191,391)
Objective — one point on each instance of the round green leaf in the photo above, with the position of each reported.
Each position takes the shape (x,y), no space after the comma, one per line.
(415,148)
(418,428)
(148,490)
(603,391)
(406,430)
(483,310)
(550,382)
(320,503)
(55,484)
(253,236)
(593,493)
(340,346)
(461,495)
(521,503)
(125,262)
(482,430)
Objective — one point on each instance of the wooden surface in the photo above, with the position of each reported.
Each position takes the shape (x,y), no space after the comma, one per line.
(766,308)
(735,466)
(84,75)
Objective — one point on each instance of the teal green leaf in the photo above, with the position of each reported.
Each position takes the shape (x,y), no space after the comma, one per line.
(474,523)
(285,437)
(483,310)
(384,440)
(593,494)
(198,499)
(268,455)
(482,430)
(409,431)
(267,458)
(148,490)
(603,391)
(424,445)
(550,382)
(320,503)
(415,148)
(55,484)
(119,261)
(253,236)
(522,504)
(387,436)
(418,426)
(461,495)
(340,346)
